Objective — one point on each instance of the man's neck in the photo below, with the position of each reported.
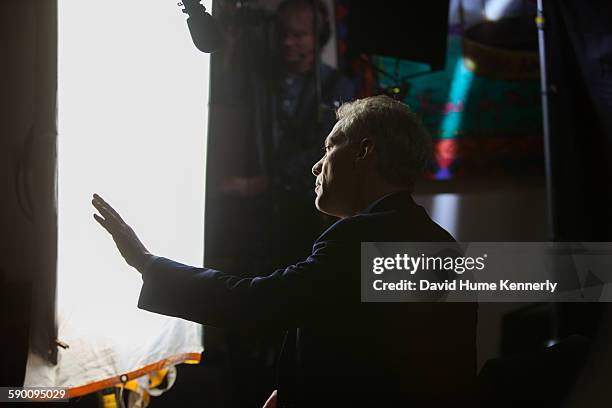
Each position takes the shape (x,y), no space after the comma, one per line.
(371,195)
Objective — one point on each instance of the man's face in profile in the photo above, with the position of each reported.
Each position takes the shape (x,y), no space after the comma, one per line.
(336,175)
(296,39)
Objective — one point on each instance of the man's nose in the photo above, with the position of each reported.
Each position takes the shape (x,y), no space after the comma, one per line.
(316,169)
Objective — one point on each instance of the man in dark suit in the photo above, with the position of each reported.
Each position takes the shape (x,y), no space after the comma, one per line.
(338,351)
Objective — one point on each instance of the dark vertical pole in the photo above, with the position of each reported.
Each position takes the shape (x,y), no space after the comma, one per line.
(552,231)
(317,66)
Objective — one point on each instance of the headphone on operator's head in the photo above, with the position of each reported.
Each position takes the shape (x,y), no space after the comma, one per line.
(322,14)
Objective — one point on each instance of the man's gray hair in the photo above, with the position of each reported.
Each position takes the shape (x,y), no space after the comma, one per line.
(402,142)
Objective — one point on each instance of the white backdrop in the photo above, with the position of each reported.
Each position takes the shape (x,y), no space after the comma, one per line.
(132,113)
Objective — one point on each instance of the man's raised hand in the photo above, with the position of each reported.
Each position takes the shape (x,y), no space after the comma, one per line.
(128,244)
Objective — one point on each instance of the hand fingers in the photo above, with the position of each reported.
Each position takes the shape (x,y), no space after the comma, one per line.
(108,206)
(102,222)
(106,210)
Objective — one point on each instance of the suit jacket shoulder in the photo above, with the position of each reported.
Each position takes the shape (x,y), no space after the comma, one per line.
(393,218)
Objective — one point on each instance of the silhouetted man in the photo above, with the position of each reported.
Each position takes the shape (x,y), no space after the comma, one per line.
(338,351)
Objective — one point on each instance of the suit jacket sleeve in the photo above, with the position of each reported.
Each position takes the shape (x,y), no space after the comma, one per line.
(286,298)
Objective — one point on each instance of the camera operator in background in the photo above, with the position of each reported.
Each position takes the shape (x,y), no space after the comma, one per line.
(272,130)
(264,135)
(297,126)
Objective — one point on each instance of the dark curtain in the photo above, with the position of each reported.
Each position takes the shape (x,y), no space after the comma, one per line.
(579,59)
(28,210)
(579,67)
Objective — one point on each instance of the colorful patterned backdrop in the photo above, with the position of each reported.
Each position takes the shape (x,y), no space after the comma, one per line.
(483,110)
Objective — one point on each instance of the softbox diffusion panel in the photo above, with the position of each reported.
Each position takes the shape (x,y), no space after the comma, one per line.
(414,31)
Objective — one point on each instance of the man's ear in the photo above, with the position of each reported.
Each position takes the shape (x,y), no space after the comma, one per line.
(366,149)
